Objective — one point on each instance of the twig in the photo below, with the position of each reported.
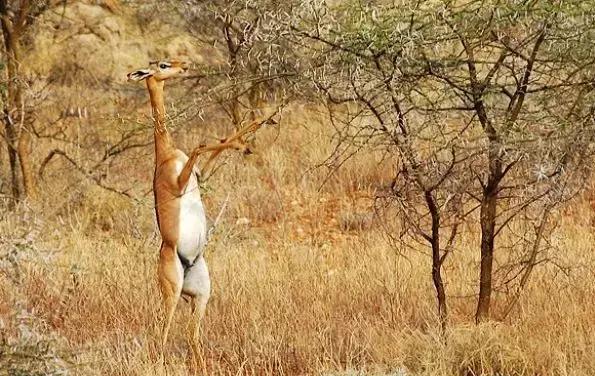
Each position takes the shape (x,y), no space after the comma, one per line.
(218,218)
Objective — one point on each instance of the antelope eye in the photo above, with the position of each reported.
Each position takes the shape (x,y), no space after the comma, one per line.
(163,66)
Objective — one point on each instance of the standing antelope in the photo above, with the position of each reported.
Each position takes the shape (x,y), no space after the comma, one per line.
(180,213)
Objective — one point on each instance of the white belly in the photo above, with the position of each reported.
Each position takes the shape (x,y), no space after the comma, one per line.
(192,235)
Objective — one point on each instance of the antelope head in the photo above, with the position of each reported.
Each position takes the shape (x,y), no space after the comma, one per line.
(159,70)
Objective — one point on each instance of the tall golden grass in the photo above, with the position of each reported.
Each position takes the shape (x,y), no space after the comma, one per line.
(298,289)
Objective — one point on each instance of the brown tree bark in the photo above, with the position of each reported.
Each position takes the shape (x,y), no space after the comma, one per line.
(488,213)
(18,136)
(437,259)
(24,152)
(488,226)
(11,142)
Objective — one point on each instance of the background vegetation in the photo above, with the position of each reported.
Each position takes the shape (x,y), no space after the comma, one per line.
(423,207)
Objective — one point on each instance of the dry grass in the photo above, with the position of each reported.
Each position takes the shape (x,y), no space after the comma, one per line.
(284,307)
(302,289)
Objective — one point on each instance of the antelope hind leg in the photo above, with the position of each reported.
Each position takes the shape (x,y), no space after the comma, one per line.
(171,280)
(197,285)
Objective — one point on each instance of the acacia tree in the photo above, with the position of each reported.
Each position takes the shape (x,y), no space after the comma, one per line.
(255,70)
(487,104)
(377,103)
(525,71)
(428,188)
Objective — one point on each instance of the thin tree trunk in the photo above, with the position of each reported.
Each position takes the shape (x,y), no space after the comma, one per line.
(488,214)
(488,226)
(12,157)
(439,285)
(24,152)
(18,138)
(23,144)
(436,259)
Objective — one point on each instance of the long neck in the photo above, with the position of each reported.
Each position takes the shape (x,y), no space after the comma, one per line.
(163,140)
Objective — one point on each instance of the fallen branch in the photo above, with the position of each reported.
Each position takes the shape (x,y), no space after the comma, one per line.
(83,171)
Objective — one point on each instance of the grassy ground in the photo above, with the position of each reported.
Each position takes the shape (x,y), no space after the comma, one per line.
(304,282)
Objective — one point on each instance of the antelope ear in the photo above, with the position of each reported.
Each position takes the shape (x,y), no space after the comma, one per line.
(139,75)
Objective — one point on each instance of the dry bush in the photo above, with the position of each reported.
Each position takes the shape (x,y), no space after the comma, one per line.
(103,211)
(31,354)
(355,221)
(262,206)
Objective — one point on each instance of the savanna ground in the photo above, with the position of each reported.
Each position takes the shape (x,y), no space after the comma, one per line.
(309,286)
(305,277)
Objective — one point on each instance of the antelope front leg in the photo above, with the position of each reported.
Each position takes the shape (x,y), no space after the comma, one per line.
(187,171)
(171,280)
